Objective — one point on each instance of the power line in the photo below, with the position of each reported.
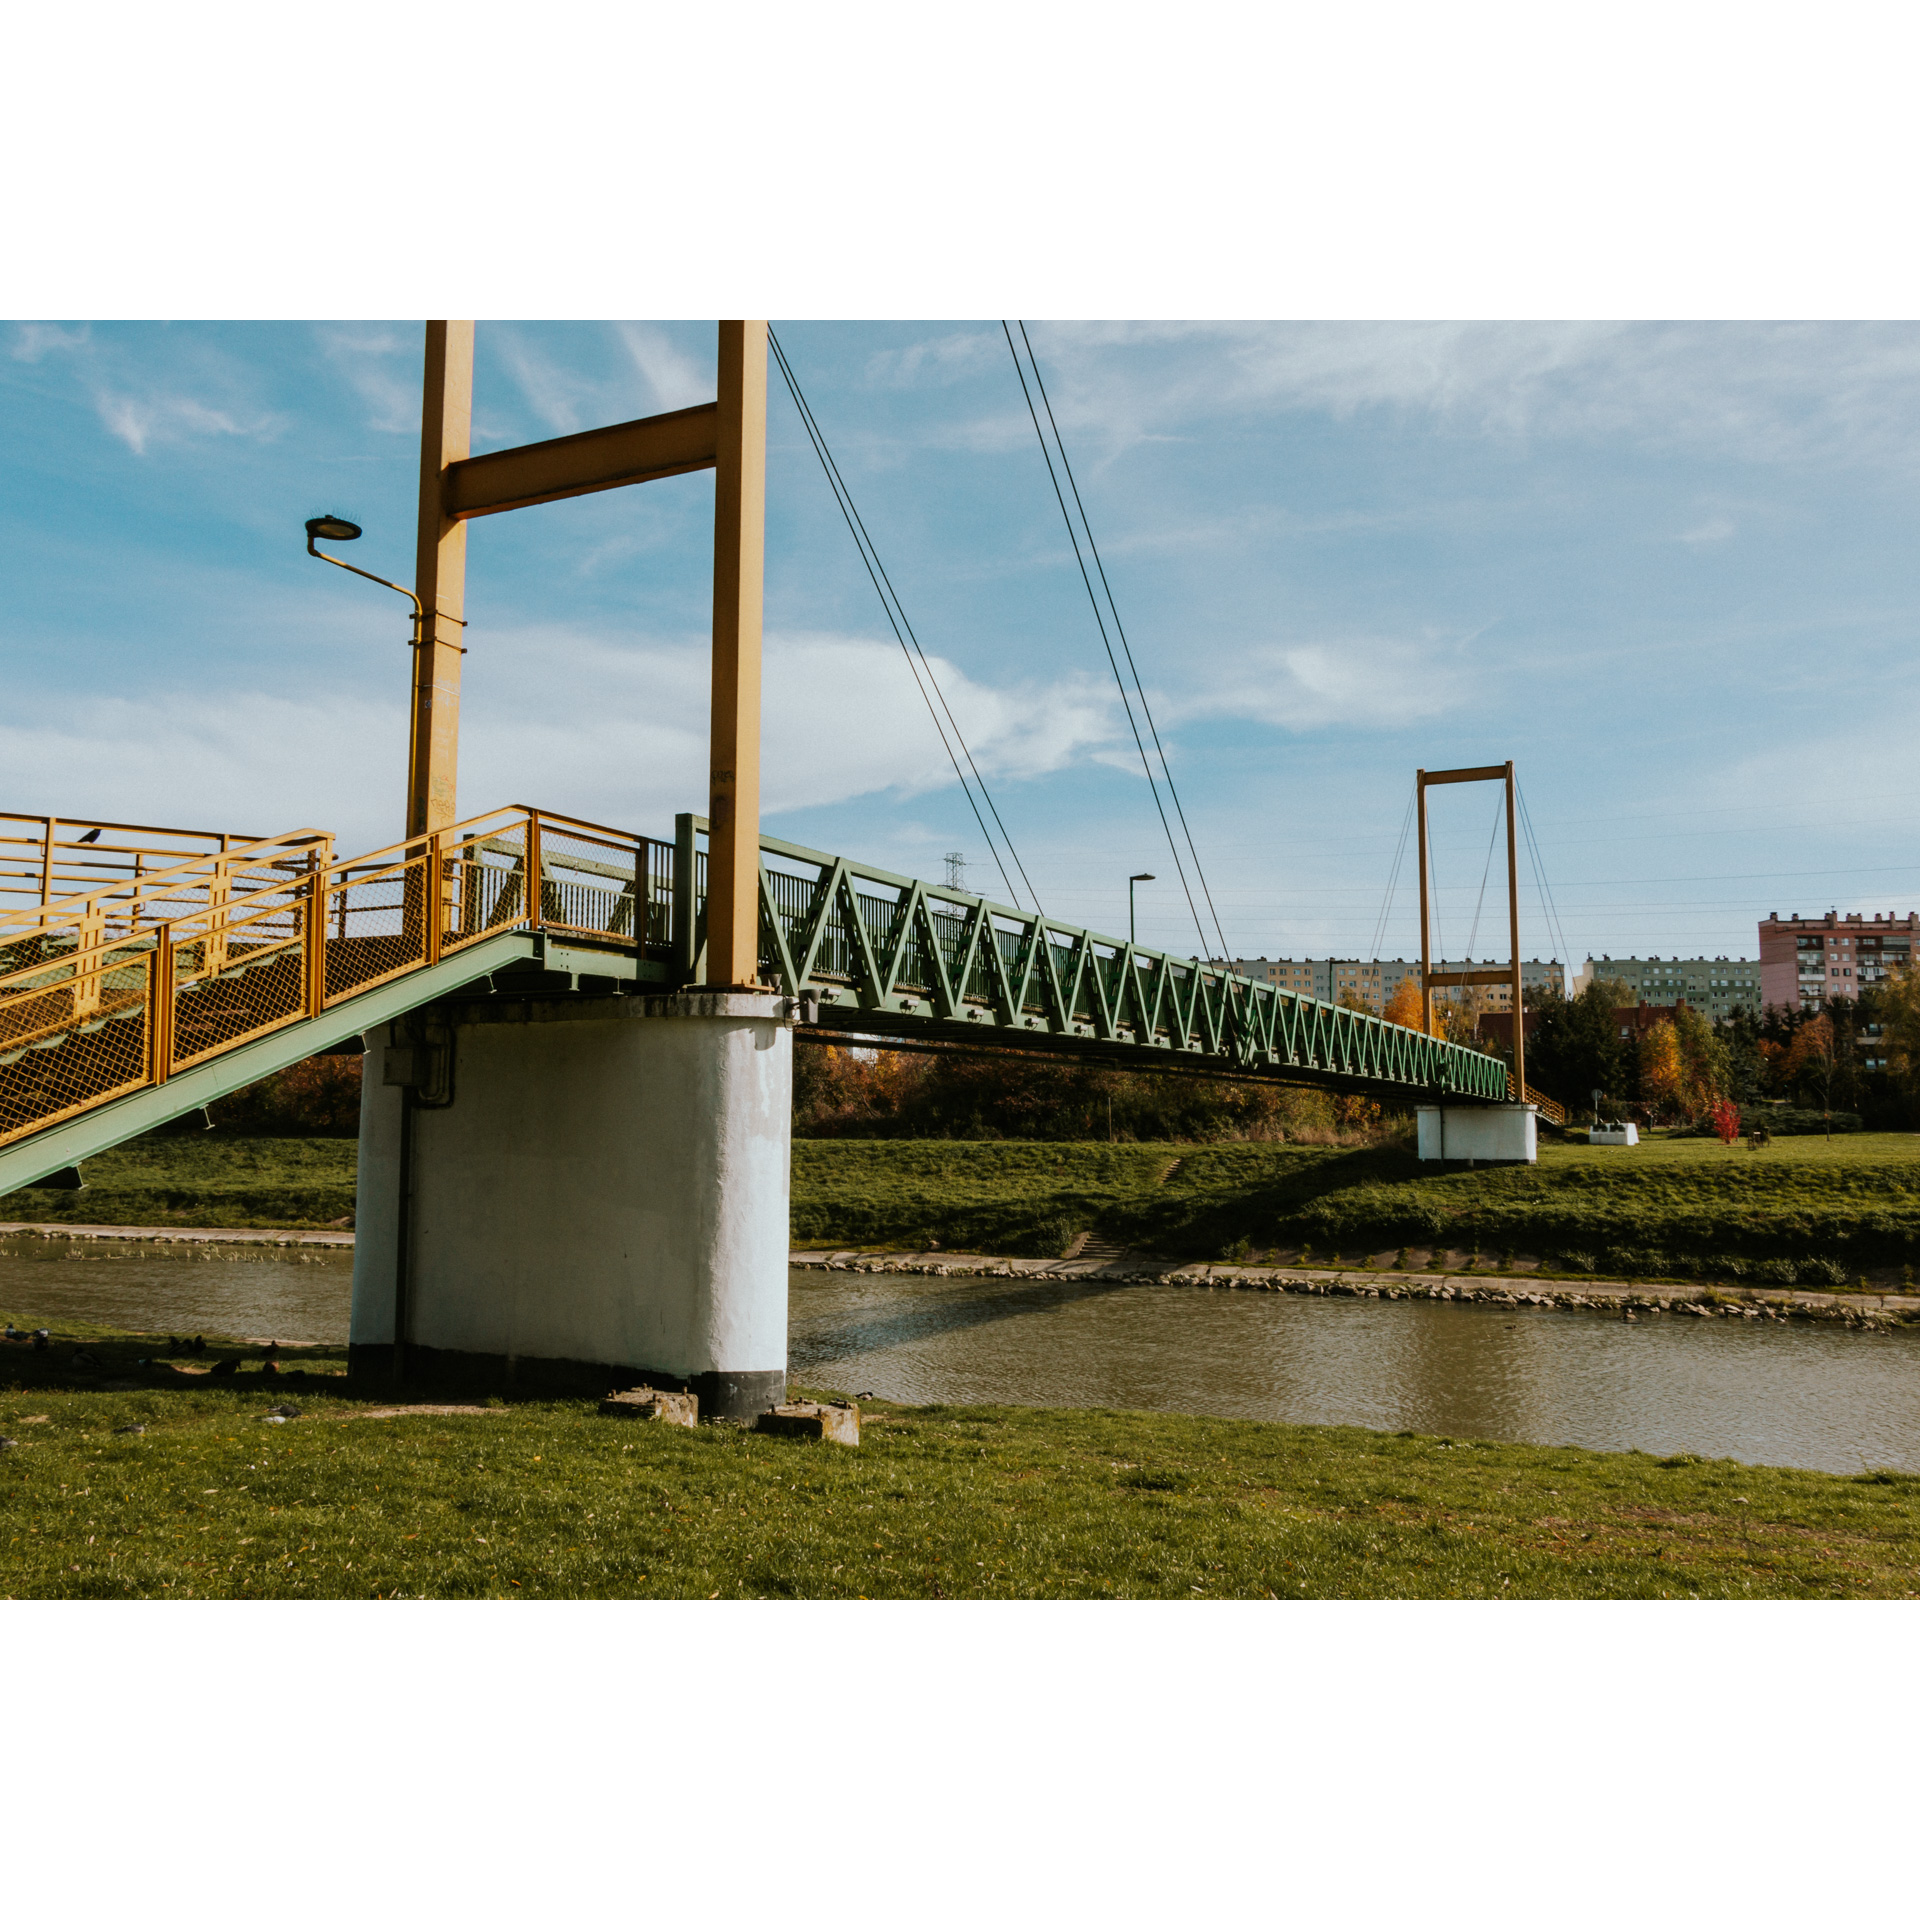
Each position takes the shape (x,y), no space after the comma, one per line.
(910,646)
(1093,599)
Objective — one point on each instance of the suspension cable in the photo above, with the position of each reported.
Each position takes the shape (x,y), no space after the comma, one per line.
(1126,646)
(1473,933)
(909,641)
(1393,878)
(1555,930)
(1118,678)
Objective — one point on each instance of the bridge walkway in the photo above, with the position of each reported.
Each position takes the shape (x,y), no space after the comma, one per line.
(127,1007)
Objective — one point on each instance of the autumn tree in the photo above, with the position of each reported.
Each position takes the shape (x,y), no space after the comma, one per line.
(1810,1060)
(1899,1011)
(1404,1009)
(1663,1069)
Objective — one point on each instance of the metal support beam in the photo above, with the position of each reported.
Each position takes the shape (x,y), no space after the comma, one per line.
(620,456)
(739,535)
(1476,976)
(440,580)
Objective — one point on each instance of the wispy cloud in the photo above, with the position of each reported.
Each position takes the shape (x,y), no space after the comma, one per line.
(35,339)
(671,375)
(1715,528)
(1753,391)
(144,420)
(381,365)
(1353,681)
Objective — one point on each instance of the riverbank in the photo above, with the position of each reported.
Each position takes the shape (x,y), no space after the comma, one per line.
(1458,1279)
(193,1486)
(1805,1213)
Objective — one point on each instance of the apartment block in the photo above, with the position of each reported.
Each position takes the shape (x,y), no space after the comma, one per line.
(1804,962)
(1714,987)
(1372,982)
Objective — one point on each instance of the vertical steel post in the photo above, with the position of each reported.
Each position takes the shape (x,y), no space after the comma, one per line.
(739,540)
(684,905)
(46,863)
(436,898)
(536,877)
(1426,921)
(1513,928)
(316,942)
(160,1012)
(440,580)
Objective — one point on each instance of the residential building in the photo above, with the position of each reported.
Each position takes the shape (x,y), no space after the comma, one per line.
(1714,987)
(1804,963)
(1372,982)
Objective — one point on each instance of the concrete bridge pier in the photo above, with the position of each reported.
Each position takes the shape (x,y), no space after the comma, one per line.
(1488,1136)
(576,1191)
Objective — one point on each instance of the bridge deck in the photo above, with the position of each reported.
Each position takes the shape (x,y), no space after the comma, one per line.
(120,1015)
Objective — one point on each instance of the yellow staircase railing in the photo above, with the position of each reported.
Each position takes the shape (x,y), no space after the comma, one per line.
(1550,1110)
(125,993)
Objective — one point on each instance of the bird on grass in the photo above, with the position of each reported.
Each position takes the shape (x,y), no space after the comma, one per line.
(224,1367)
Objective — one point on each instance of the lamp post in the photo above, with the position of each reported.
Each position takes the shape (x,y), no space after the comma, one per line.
(329,526)
(1132,880)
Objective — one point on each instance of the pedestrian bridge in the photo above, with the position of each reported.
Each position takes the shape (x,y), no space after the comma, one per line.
(202,963)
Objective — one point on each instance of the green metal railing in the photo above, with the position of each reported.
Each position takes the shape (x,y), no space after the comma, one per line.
(882,950)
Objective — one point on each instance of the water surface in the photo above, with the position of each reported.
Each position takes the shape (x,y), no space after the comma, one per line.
(1776,1395)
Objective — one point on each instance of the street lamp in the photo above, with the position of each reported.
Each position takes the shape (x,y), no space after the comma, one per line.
(329,526)
(1131,879)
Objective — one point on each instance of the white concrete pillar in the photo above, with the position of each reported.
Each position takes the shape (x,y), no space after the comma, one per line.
(602,1196)
(1502,1135)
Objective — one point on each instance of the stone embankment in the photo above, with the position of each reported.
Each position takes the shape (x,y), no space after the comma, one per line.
(1567,1293)
(178,1236)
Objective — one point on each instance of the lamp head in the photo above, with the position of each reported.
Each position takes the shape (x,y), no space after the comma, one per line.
(329,526)
(1132,877)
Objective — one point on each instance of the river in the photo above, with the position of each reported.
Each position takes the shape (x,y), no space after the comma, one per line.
(1800,1396)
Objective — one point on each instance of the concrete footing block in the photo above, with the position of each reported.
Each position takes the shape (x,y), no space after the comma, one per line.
(649,1403)
(813,1420)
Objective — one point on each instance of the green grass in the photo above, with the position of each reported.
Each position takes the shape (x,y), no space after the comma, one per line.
(1683,1207)
(1666,1203)
(545,1499)
(203,1180)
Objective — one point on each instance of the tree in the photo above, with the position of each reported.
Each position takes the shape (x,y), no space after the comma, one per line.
(1810,1060)
(1899,1012)
(1575,1046)
(1705,1063)
(1663,1069)
(1404,1009)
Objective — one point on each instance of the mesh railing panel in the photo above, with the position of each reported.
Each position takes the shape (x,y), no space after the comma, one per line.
(486,886)
(376,926)
(72,1036)
(237,975)
(591,884)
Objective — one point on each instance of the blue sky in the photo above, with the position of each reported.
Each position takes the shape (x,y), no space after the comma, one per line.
(1670,569)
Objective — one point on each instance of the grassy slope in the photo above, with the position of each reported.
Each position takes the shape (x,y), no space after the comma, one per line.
(1854,1198)
(203,1180)
(544,1499)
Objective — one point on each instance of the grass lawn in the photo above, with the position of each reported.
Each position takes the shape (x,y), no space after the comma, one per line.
(203,1180)
(545,1499)
(1854,1199)
(1683,1208)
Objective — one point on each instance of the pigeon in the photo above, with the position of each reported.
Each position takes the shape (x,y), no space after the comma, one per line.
(863,1396)
(270,1366)
(40,1339)
(199,1343)
(87,839)
(273,1349)
(135,1428)
(286,1413)
(223,1367)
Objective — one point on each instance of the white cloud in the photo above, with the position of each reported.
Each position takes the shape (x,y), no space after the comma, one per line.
(141,420)
(1758,391)
(613,733)
(1361,681)
(1715,528)
(381,365)
(35,339)
(672,376)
